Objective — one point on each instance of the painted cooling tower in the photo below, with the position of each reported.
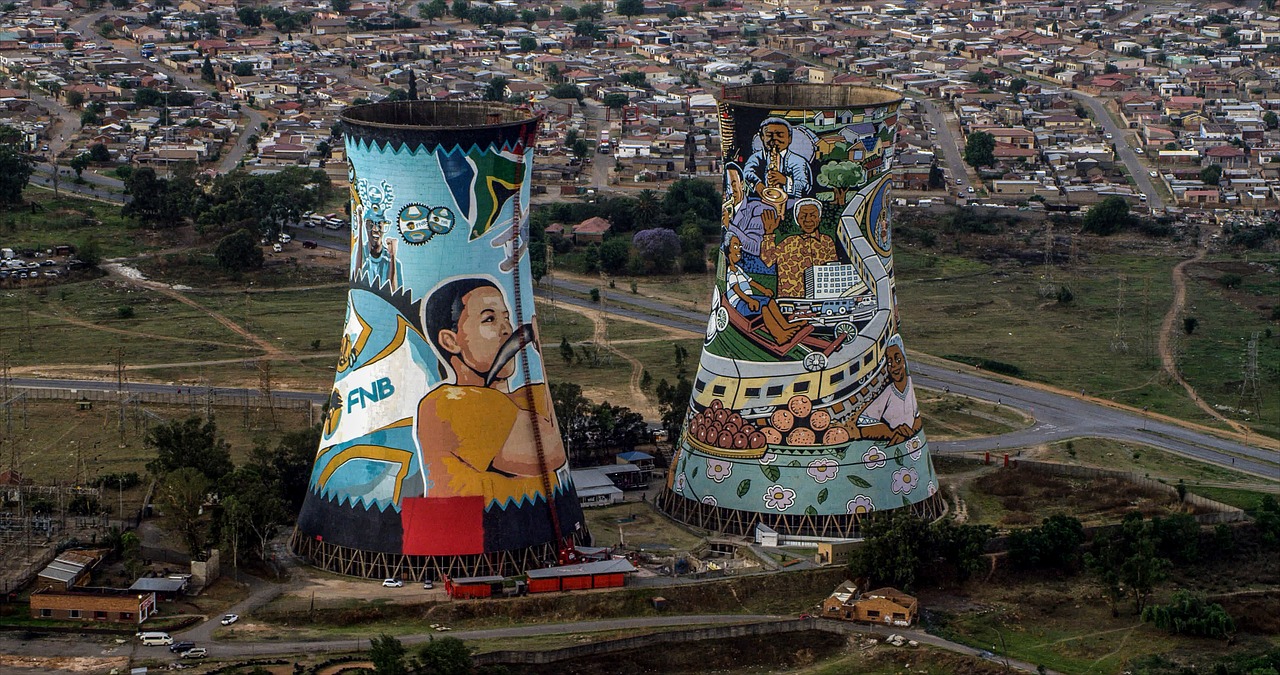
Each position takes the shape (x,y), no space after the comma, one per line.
(803,418)
(439,453)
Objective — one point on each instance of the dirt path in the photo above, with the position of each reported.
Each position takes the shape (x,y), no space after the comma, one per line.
(116,270)
(1166,338)
(599,335)
(133,333)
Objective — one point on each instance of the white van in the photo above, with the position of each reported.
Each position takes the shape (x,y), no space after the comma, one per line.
(153,639)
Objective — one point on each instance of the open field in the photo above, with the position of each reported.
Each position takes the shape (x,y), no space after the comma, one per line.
(69,220)
(1007,497)
(640,526)
(1146,460)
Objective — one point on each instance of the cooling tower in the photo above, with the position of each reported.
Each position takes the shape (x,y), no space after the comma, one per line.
(439,452)
(803,417)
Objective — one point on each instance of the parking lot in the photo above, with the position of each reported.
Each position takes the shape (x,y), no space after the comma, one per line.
(21,266)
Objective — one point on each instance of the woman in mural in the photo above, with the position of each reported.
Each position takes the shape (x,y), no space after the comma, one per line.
(750,299)
(893,416)
(477,437)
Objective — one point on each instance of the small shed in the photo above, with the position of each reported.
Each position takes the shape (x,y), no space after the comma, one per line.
(463,588)
(165,588)
(594,488)
(642,460)
(604,574)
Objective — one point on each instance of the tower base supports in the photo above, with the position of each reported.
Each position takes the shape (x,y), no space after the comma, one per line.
(374,565)
(743,523)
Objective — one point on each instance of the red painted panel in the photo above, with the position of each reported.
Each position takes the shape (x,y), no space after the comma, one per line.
(544,585)
(443,526)
(575,583)
(608,580)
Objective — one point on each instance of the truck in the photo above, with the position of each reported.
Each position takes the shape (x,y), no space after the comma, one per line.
(6,254)
(603,147)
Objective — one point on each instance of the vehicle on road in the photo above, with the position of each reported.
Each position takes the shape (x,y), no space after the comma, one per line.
(230,619)
(427,585)
(195,653)
(969,189)
(151,639)
(1154,174)
(179,647)
(277,247)
(392,583)
(959,181)
(309,243)
(1109,136)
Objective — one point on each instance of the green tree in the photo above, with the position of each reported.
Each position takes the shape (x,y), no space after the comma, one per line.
(206,71)
(242,69)
(528,44)
(979,149)
(15,167)
(1054,543)
(79,163)
(1017,84)
(460,9)
(614,254)
(74,99)
(1270,119)
(190,443)
(1110,69)
(566,90)
(413,85)
(131,553)
(252,511)
(496,90)
(783,75)
(673,404)
(182,495)
(842,177)
(90,252)
(1267,519)
(387,655)
(568,13)
(249,16)
(99,153)
(615,101)
(432,10)
(445,656)
(1189,324)
(693,249)
(566,353)
(287,466)
(238,252)
(591,10)
(893,550)
(340,6)
(980,78)
(1125,561)
(1108,216)
(587,28)
(629,8)
(580,148)
(1211,175)
(758,77)
(1190,614)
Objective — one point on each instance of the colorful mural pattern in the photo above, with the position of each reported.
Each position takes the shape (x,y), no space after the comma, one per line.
(440,428)
(803,403)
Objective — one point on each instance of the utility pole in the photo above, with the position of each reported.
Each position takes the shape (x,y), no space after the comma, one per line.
(120,393)
(1249,393)
(1119,344)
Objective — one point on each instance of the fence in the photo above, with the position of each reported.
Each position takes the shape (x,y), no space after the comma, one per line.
(194,396)
(1217,511)
(512,657)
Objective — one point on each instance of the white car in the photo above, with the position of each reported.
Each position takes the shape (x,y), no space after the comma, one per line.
(195,653)
(970,189)
(392,583)
(230,619)
(959,181)
(1109,136)
(428,585)
(1154,174)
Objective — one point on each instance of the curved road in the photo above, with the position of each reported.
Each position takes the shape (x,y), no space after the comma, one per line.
(1058,416)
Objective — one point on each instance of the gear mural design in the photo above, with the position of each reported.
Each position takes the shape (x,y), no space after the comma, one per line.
(419,223)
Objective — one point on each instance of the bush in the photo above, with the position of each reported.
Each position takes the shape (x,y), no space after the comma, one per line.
(1190,614)
(125,312)
(1055,543)
(1230,280)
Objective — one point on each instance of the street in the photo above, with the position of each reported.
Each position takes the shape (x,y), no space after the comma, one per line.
(1130,158)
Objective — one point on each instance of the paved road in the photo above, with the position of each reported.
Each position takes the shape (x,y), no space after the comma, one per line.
(946,140)
(1131,161)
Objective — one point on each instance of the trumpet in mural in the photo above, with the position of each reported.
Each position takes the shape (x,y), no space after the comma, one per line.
(803,416)
(440,452)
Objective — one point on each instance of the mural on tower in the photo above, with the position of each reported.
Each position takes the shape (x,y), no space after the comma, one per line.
(803,402)
(440,439)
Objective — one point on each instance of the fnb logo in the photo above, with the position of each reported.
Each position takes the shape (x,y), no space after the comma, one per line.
(378,390)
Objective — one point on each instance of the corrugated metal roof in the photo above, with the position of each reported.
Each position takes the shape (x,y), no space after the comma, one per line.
(159,585)
(61,570)
(619,565)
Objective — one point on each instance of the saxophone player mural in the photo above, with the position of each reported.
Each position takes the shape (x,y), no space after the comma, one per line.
(803,416)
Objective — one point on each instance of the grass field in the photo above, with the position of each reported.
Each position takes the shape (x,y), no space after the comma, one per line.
(640,526)
(1142,459)
(69,220)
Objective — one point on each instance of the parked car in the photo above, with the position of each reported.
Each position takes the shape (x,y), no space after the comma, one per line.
(427,585)
(179,647)
(309,244)
(392,583)
(970,189)
(1154,174)
(195,653)
(230,619)
(277,248)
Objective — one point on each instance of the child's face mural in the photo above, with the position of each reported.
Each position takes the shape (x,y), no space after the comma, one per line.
(483,327)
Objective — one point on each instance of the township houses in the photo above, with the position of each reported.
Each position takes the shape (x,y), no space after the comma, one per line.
(888,606)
